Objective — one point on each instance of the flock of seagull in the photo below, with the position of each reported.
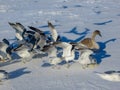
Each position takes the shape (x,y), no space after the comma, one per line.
(32,41)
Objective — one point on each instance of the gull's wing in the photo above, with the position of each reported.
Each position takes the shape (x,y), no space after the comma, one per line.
(67,47)
(53,31)
(36,30)
(18,27)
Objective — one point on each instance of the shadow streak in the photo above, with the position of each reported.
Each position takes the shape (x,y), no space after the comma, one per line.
(103,23)
(74,31)
(101,53)
(18,73)
(46,64)
(39,55)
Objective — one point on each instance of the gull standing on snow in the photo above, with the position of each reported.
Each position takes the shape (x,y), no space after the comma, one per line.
(21,49)
(3,75)
(85,57)
(68,51)
(24,52)
(52,54)
(110,76)
(3,54)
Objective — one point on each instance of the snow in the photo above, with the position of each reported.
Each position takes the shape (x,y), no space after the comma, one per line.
(81,17)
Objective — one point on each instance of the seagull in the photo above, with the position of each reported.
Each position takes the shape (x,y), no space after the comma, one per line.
(3,54)
(85,58)
(90,42)
(11,47)
(54,60)
(69,58)
(65,46)
(22,33)
(24,52)
(31,39)
(21,49)
(19,29)
(110,76)
(41,39)
(54,34)
(51,50)
(3,75)
(68,51)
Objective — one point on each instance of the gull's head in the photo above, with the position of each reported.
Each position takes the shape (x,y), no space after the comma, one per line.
(97,32)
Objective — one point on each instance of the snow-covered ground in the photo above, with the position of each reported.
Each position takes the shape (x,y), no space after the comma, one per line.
(74,20)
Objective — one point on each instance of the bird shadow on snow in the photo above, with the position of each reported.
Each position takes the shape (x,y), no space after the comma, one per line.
(75,31)
(9,62)
(102,53)
(46,64)
(103,23)
(39,55)
(18,73)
